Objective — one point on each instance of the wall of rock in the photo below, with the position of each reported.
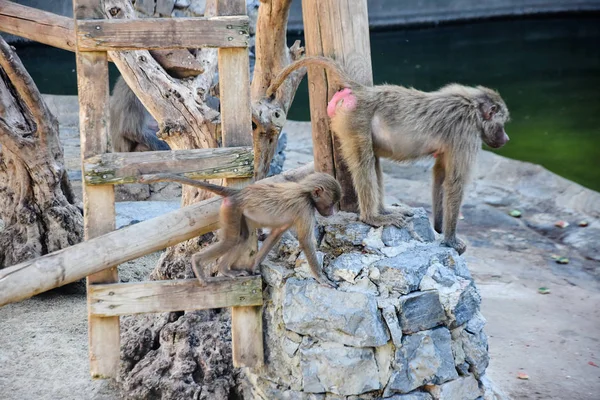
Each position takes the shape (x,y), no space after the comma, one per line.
(403,324)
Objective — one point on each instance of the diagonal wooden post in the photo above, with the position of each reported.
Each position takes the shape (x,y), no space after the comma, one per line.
(236,126)
(337,29)
(98,201)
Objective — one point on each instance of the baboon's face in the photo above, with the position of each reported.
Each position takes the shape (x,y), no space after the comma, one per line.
(494,114)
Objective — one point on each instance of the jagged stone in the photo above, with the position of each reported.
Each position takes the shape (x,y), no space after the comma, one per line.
(403,273)
(476,324)
(373,240)
(346,267)
(475,347)
(463,388)
(422,226)
(490,391)
(328,314)
(411,396)
(393,236)
(343,230)
(459,296)
(332,367)
(424,358)
(420,311)
(391,319)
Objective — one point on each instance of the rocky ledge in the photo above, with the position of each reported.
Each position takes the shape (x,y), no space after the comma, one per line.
(404,322)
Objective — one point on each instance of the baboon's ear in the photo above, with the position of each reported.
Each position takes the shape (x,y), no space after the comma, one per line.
(317,191)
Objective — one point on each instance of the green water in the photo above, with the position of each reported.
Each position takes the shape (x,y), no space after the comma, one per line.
(547,70)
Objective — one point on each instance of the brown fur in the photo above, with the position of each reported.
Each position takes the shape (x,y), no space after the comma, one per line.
(404,124)
(279,206)
(129,122)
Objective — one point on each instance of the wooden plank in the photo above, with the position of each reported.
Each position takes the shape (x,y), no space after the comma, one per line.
(41,26)
(162,33)
(120,168)
(236,125)
(338,29)
(98,202)
(173,295)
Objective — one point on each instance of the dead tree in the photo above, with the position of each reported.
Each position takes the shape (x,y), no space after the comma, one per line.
(39,209)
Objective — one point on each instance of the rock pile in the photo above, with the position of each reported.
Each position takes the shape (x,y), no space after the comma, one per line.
(403,324)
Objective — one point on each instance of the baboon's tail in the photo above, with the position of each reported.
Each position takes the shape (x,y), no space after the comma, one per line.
(330,65)
(220,190)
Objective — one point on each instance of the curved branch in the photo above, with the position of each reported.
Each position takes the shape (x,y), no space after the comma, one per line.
(272,55)
(24,85)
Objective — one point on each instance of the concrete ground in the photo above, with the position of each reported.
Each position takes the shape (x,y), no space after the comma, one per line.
(554,338)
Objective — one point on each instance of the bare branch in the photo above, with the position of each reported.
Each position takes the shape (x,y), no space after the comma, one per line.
(272,55)
(24,85)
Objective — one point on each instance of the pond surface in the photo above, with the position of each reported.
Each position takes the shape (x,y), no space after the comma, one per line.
(547,70)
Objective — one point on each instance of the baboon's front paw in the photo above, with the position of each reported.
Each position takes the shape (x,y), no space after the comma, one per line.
(396,218)
(402,209)
(457,244)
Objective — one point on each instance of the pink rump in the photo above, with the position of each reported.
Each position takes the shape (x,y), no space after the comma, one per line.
(343,98)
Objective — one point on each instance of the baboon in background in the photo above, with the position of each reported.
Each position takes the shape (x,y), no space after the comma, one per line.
(279,206)
(404,124)
(131,126)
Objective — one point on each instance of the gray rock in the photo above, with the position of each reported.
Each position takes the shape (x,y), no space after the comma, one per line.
(343,230)
(404,272)
(346,267)
(328,314)
(476,324)
(275,274)
(373,240)
(411,396)
(391,320)
(393,236)
(463,388)
(424,358)
(475,348)
(459,296)
(422,226)
(420,311)
(491,391)
(467,306)
(332,367)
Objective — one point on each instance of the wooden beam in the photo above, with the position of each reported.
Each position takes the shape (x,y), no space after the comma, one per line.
(162,33)
(174,295)
(41,26)
(119,168)
(236,125)
(98,202)
(338,29)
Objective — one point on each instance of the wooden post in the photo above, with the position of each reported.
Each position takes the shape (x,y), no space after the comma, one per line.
(98,201)
(338,29)
(236,126)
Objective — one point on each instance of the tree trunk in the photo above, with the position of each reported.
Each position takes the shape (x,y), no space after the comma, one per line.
(39,210)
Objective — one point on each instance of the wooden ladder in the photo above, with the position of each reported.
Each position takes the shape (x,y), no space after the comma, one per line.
(108,299)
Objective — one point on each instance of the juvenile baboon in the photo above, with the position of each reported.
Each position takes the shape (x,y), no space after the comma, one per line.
(279,206)
(131,127)
(404,124)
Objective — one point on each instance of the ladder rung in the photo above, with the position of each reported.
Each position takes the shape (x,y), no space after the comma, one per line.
(162,33)
(107,300)
(120,168)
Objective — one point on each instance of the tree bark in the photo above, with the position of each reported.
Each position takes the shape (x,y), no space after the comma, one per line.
(39,209)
